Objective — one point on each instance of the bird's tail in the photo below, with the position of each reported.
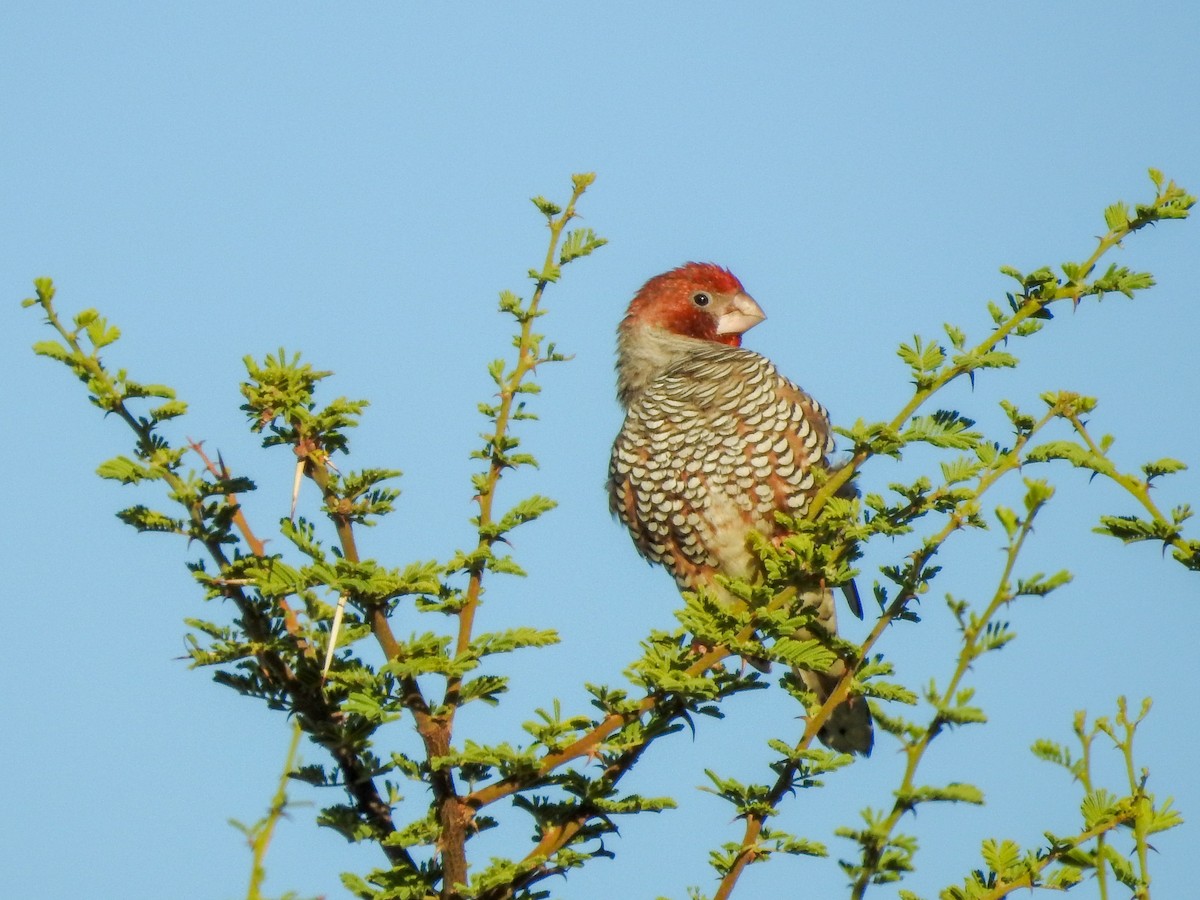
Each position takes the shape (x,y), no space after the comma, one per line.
(849,728)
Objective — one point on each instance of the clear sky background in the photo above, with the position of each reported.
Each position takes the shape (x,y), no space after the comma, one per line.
(351,181)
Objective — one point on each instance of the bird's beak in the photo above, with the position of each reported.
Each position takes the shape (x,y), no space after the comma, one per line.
(742,315)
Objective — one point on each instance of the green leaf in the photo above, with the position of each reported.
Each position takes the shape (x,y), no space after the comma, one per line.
(1063,878)
(988,359)
(954,792)
(485,688)
(1053,753)
(369,707)
(945,428)
(355,885)
(1023,422)
(125,470)
(148,520)
(549,275)
(510,302)
(1165,466)
(1039,585)
(889,691)
(958,338)
(962,715)
(1099,806)
(961,469)
(168,410)
(526,511)
(811,655)
(53,350)
(1121,867)
(1076,454)
(547,209)
(1008,519)
(923,358)
(513,639)
(1162,818)
(581,181)
(1119,279)
(579,243)
(1116,217)
(100,334)
(1028,327)
(1001,857)
(1131,529)
(496,370)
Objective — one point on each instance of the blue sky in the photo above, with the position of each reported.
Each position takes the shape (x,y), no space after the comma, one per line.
(351,181)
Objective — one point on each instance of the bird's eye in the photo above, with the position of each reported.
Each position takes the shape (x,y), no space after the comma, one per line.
(701,298)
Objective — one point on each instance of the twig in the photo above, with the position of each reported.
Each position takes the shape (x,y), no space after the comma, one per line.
(261,834)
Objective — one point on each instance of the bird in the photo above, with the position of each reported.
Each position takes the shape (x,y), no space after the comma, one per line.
(715,441)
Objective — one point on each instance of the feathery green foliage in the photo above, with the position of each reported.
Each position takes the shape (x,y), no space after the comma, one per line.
(350,646)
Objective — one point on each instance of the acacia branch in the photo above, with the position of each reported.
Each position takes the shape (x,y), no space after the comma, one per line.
(1139,489)
(260,836)
(1033,306)
(527,362)
(841,692)
(321,720)
(1058,853)
(434,731)
(455,813)
(256,545)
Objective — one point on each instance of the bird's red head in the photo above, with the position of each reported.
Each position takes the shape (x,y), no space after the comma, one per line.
(698,300)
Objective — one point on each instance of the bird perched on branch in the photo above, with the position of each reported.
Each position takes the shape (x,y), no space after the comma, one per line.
(715,441)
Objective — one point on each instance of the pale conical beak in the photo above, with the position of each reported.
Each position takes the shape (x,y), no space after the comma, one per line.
(743,315)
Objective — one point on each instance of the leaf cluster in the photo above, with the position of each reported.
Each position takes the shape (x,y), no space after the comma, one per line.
(316,628)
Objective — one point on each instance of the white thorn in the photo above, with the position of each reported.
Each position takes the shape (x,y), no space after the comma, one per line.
(333,634)
(296,487)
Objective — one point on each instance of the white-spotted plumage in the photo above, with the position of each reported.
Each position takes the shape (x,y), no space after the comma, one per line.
(715,442)
(711,448)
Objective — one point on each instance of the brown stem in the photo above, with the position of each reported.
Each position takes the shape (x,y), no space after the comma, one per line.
(376,615)
(1137,487)
(322,720)
(1057,854)
(754,821)
(221,472)
(257,547)
(455,812)
(312,705)
(434,731)
(309,703)
(588,745)
(527,361)
(1073,291)
(556,837)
